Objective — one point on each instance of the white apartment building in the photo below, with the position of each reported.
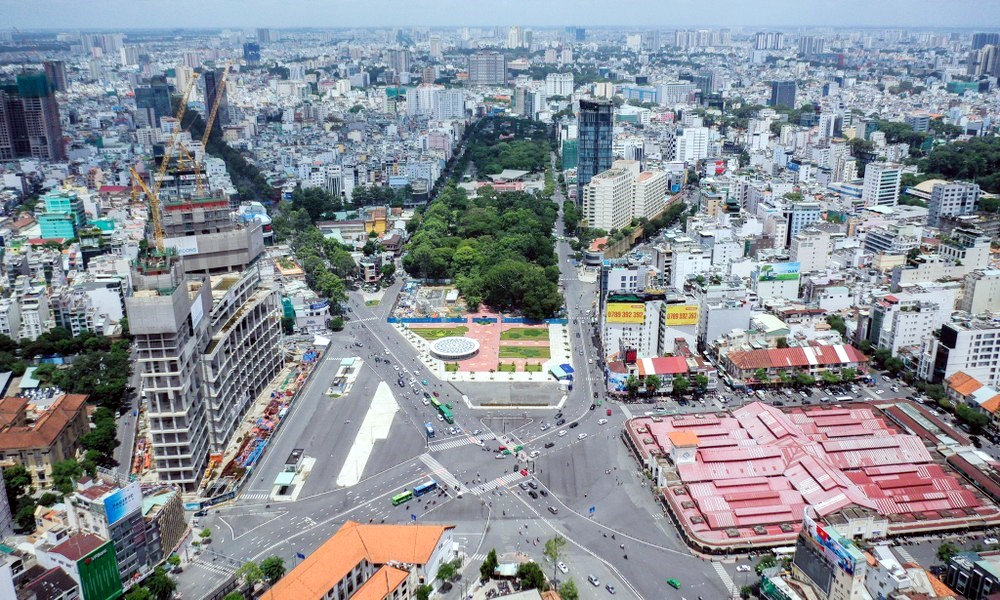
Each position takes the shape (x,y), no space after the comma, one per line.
(10,318)
(881,187)
(614,197)
(559,84)
(650,194)
(688,261)
(896,324)
(811,248)
(981,293)
(691,144)
(968,345)
(953,198)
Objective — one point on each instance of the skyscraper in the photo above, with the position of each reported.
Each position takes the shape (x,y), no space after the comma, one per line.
(29,119)
(596,130)
(782,94)
(980,40)
(152,103)
(487,68)
(213,86)
(264,36)
(55,70)
(251,53)
(881,187)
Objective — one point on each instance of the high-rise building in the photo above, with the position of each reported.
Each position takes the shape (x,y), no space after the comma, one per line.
(581,34)
(881,187)
(514,38)
(129,56)
(399,60)
(435,47)
(559,84)
(782,94)
(55,70)
(810,45)
(152,103)
(980,40)
(264,36)
(29,119)
(213,87)
(596,131)
(952,199)
(487,68)
(251,53)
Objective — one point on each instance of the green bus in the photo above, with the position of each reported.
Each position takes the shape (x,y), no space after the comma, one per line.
(446,414)
(401,498)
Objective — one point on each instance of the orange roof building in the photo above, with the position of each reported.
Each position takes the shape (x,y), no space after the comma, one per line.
(38,440)
(369,562)
(961,384)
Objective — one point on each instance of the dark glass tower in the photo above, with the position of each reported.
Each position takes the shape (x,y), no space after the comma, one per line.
(782,94)
(153,102)
(596,131)
(212,79)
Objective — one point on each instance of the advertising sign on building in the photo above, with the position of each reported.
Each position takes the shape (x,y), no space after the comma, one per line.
(682,314)
(623,312)
(184,246)
(122,502)
(99,577)
(835,547)
(784,271)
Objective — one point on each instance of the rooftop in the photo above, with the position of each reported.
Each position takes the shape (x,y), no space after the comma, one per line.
(44,431)
(79,545)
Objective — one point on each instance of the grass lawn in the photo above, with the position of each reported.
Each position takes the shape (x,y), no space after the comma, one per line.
(451,367)
(436,333)
(524,352)
(530,368)
(520,333)
(371,302)
(505,368)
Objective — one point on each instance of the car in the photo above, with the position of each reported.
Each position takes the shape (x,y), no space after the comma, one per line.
(602,421)
(359,344)
(559,415)
(395,367)
(594,580)
(437,395)
(523,486)
(553,510)
(481,443)
(534,454)
(543,492)
(533,494)
(544,426)
(591,361)
(582,436)
(742,568)
(500,456)
(524,472)
(560,422)
(386,350)
(991,541)
(879,391)
(562,432)
(427,395)
(610,588)
(201,513)
(562,567)
(440,418)
(595,395)
(674,584)
(427,402)
(574,424)
(176,570)
(476,431)
(593,406)
(533,485)
(549,445)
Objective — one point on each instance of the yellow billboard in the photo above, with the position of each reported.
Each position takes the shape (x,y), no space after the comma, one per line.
(624,312)
(682,314)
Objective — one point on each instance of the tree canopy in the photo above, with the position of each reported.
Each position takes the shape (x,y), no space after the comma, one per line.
(977,159)
(497,247)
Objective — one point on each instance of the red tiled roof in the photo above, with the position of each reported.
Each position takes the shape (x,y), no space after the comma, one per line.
(78,546)
(797,357)
(662,365)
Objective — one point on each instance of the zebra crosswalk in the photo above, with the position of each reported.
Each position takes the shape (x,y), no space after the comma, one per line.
(493,484)
(254,496)
(442,474)
(457,442)
(727,581)
(477,557)
(904,554)
(215,567)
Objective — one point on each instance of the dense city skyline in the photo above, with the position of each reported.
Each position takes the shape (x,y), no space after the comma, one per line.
(49,14)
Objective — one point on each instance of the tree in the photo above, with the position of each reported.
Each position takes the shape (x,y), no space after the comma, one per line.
(848,375)
(766,562)
(830,377)
(250,573)
(760,375)
(388,270)
(632,385)
(568,591)
(530,576)
(554,551)
(160,585)
(48,499)
(64,473)
(681,384)
(804,379)
(701,382)
(946,550)
(25,515)
(424,592)
(653,383)
(139,593)
(234,596)
(746,591)
(173,560)
(489,565)
(446,572)
(16,480)
(273,568)
(205,533)
(337,323)
(836,322)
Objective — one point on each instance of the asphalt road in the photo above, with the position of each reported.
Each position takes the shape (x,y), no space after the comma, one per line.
(587,468)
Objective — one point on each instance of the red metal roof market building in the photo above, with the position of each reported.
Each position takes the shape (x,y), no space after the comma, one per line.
(754,470)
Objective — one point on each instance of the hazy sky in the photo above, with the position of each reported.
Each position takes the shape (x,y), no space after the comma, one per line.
(85,14)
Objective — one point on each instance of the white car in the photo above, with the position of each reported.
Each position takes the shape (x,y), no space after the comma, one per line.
(534,454)
(582,436)
(387,351)
(440,418)
(743,568)
(562,567)
(426,402)
(991,541)
(501,456)
(562,432)
(602,421)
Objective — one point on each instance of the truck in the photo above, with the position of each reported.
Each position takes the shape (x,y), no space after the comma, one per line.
(430,430)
